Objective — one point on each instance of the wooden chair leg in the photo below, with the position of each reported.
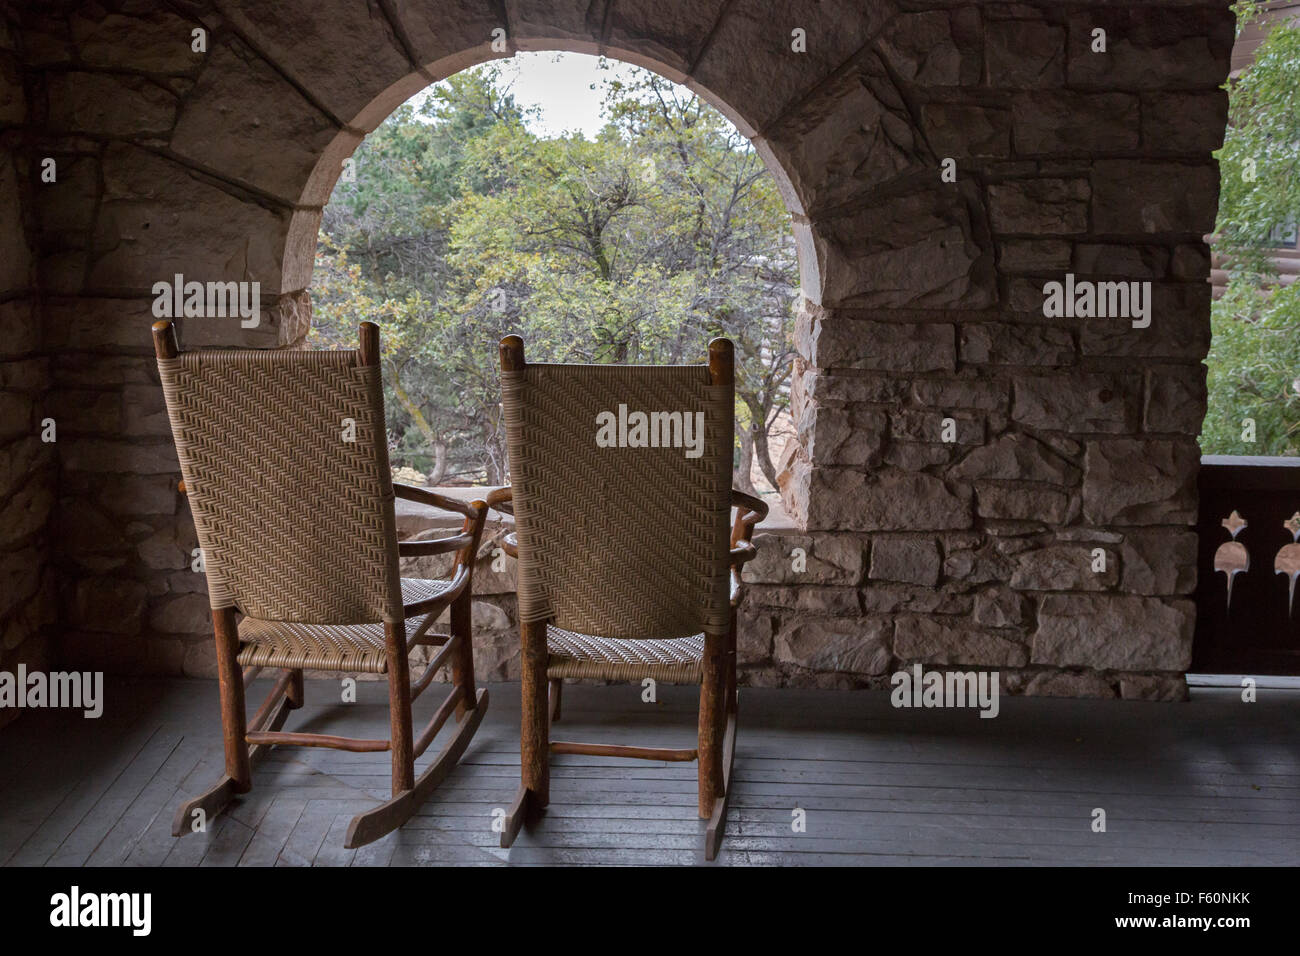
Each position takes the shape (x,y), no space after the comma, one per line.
(296,693)
(399,708)
(534,731)
(557,693)
(462,664)
(712,716)
(239,774)
(232,699)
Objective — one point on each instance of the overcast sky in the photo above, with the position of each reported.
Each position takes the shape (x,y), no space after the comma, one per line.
(567,87)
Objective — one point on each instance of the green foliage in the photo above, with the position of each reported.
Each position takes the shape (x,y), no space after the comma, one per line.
(1254,361)
(463,225)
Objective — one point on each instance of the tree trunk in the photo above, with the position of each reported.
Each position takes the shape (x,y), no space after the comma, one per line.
(422,423)
(439,463)
(758,416)
(764,455)
(740,478)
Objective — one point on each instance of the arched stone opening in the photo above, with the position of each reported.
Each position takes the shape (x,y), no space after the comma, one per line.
(924,296)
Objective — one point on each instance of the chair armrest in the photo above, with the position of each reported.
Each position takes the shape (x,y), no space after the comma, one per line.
(426,497)
(422,549)
(749,512)
(502,500)
(465,544)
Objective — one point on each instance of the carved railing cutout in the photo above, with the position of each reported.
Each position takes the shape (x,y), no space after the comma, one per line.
(1288,560)
(1232,558)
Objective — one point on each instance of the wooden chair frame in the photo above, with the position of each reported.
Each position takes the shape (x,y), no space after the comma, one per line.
(248,741)
(541,698)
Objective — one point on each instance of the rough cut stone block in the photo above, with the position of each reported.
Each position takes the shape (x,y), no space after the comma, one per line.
(1179,329)
(1078,401)
(855,647)
(750,63)
(1191,123)
(1116,261)
(754,632)
(911,425)
(889,598)
(146,233)
(845,436)
(960,130)
(1022,502)
(186,614)
(1075,124)
(1063,568)
(911,251)
(827,559)
(238,106)
(149,38)
(1151,47)
(1175,399)
(809,598)
(999,608)
(885,500)
(1133,197)
(935,47)
(1006,344)
(1135,482)
(668,36)
(109,104)
(1112,632)
(976,564)
(932,642)
(1034,255)
(95,454)
(1163,687)
(1024,54)
(1068,684)
(885,346)
(853,134)
(1040,206)
(905,560)
(845,387)
(342,55)
(1158,562)
(1016,457)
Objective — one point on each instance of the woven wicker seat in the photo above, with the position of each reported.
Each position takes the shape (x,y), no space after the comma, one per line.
(336,647)
(677,660)
(284,457)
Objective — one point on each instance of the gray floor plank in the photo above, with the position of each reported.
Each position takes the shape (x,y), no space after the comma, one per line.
(1212,781)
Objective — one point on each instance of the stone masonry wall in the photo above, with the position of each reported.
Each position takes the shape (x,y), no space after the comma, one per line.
(27,465)
(922,298)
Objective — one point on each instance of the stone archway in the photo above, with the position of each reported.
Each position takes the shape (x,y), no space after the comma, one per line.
(924,296)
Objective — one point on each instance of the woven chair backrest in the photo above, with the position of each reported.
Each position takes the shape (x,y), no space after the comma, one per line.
(622,506)
(285,459)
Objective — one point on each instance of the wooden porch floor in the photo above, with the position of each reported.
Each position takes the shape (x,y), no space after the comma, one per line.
(1213,782)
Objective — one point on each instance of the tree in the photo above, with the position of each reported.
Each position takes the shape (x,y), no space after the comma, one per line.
(637,246)
(1254,361)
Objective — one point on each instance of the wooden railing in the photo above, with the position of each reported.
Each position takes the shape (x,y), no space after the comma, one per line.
(1248,566)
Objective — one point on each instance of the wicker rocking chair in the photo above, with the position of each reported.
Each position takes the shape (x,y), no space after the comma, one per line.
(629,562)
(284,460)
